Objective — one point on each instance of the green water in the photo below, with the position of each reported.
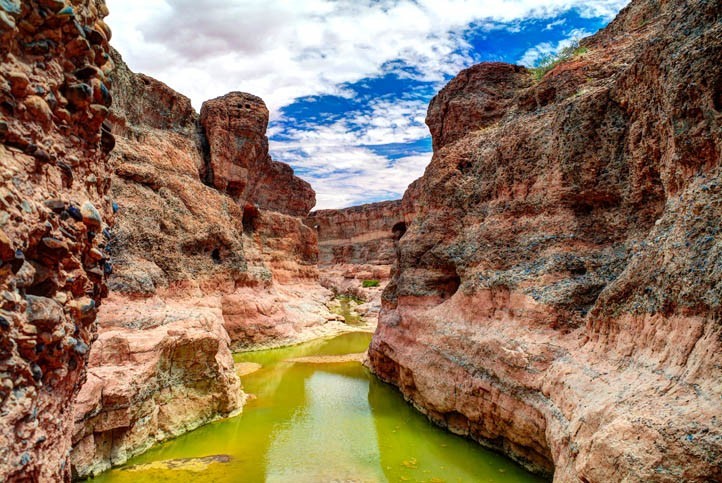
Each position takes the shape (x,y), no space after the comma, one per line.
(319,423)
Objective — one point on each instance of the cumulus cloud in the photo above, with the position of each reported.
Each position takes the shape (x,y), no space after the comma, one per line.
(284,50)
(342,159)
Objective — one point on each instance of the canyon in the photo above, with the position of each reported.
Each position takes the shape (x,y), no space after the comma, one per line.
(557,296)
(551,287)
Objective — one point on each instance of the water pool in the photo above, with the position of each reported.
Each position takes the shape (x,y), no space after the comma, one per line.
(319,423)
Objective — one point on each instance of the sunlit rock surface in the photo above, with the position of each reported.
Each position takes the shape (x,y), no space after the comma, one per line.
(197,271)
(557,294)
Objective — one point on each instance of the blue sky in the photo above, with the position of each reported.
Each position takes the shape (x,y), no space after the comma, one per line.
(347,82)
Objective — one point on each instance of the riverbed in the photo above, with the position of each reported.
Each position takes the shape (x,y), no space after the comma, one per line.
(317,420)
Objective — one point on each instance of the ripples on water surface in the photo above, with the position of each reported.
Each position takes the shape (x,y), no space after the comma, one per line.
(319,423)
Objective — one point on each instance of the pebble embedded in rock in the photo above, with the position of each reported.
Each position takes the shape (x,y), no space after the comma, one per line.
(55,204)
(19,82)
(18,260)
(66,12)
(75,212)
(44,311)
(25,276)
(10,6)
(6,247)
(90,215)
(6,22)
(39,110)
(107,140)
(79,95)
(54,247)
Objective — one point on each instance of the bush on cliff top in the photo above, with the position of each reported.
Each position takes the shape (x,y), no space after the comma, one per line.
(548,62)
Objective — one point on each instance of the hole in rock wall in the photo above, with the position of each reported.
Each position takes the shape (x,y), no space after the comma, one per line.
(583,209)
(449,286)
(250,215)
(399,230)
(47,288)
(216,255)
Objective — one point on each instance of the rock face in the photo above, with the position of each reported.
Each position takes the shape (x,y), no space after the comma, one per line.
(558,293)
(145,386)
(197,270)
(356,250)
(238,161)
(54,178)
(360,235)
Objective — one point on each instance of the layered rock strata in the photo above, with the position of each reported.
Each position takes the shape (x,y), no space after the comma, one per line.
(54,210)
(199,268)
(356,250)
(558,294)
(360,235)
(145,386)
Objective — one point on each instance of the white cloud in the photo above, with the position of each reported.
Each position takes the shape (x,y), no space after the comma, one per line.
(338,159)
(282,50)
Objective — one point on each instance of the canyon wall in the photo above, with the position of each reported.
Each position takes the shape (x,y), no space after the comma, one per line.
(360,235)
(209,254)
(54,206)
(356,248)
(558,294)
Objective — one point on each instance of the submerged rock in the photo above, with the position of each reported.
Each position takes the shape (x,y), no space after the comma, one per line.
(195,465)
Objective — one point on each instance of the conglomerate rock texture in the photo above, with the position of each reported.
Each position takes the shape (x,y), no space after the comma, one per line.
(54,180)
(558,294)
(197,272)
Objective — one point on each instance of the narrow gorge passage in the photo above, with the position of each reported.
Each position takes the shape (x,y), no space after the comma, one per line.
(318,422)
(547,282)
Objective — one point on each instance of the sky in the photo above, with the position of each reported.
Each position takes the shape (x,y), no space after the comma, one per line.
(347,82)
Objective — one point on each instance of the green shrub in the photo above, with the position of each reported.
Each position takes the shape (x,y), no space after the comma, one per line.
(547,63)
(370,283)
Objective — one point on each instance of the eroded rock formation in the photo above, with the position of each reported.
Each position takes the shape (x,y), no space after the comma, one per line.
(198,269)
(360,235)
(145,386)
(54,208)
(356,250)
(558,293)
(238,161)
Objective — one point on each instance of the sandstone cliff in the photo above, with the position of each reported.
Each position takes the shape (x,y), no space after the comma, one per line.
(238,161)
(177,237)
(54,180)
(360,235)
(558,293)
(356,250)
(199,267)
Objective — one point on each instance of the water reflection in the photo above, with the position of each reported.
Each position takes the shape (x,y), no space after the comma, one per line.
(319,423)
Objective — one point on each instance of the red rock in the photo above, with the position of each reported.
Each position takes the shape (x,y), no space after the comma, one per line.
(227,272)
(558,290)
(357,245)
(238,161)
(357,235)
(42,274)
(174,376)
